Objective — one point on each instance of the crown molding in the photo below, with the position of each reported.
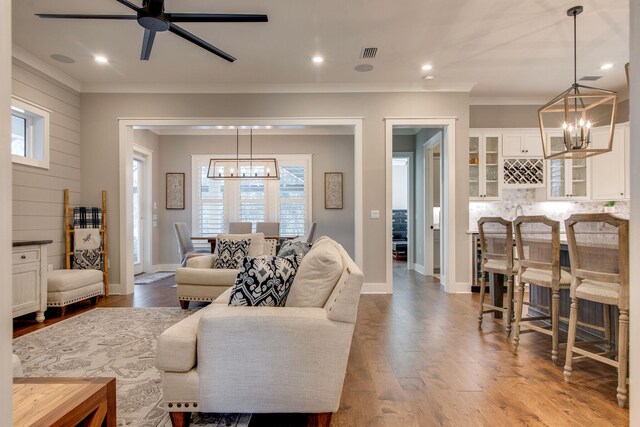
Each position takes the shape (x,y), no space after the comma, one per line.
(487,100)
(31,60)
(275,88)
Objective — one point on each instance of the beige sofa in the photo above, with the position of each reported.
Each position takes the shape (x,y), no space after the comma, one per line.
(267,360)
(200,281)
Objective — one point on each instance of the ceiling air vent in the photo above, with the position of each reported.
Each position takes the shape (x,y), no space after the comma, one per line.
(368,53)
(590,78)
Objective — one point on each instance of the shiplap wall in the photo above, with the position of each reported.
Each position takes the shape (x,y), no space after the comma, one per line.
(38,200)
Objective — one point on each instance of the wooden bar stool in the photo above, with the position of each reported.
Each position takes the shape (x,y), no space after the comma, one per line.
(538,243)
(599,254)
(496,245)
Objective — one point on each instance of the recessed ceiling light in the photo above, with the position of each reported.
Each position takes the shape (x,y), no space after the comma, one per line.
(101,59)
(429,77)
(318,59)
(607,66)
(427,67)
(363,68)
(62,58)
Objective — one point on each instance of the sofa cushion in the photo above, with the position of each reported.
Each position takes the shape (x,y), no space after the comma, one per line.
(224,297)
(206,276)
(230,253)
(256,248)
(66,280)
(293,248)
(264,281)
(318,274)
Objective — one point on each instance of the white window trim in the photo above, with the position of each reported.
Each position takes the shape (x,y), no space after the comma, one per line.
(34,109)
(284,158)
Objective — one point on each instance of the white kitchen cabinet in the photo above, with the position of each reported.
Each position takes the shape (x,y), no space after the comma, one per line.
(609,170)
(521,144)
(485,166)
(566,179)
(29,279)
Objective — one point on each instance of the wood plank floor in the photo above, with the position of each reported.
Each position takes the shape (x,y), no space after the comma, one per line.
(418,359)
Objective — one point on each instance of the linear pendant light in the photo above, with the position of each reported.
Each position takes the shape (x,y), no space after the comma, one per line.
(577,110)
(243,168)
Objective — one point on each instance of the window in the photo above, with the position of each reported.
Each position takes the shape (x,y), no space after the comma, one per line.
(218,202)
(29,134)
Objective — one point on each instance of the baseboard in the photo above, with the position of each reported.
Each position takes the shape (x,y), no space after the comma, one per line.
(164,267)
(375,288)
(419,268)
(116,289)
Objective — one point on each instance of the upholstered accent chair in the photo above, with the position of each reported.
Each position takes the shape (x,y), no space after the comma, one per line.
(288,359)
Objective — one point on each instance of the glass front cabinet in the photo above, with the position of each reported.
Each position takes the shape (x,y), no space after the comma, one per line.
(485,170)
(568,179)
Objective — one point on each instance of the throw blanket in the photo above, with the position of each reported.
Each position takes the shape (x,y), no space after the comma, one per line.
(87,218)
(86,238)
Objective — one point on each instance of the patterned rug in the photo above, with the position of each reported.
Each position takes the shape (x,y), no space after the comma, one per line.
(148,278)
(113,342)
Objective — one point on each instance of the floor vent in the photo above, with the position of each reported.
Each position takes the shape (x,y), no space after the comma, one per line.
(590,78)
(368,53)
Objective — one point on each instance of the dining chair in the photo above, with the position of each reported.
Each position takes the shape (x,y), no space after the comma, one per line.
(538,244)
(496,245)
(185,245)
(312,230)
(240,227)
(599,254)
(270,229)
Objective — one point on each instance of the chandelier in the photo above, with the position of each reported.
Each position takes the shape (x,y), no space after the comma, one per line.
(243,168)
(577,110)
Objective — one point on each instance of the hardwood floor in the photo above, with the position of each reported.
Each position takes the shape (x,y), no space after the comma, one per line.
(418,359)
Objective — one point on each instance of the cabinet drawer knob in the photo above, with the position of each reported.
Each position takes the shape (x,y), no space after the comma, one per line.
(23,257)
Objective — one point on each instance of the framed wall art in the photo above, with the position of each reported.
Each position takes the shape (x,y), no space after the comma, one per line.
(175,190)
(333,189)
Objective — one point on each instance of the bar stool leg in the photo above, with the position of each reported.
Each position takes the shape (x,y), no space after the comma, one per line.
(509,304)
(623,354)
(606,312)
(573,323)
(518,314)
(555,327)
(482,287)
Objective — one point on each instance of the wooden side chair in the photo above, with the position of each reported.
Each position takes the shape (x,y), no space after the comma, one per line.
(538,243)
(496,245)
(599,254)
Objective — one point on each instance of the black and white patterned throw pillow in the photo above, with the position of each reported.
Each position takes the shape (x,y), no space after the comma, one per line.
(231,252)
(264,281)
(87,259)
(292,247)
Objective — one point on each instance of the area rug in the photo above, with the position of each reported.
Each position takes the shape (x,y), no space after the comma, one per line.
(113,342)
(148,278)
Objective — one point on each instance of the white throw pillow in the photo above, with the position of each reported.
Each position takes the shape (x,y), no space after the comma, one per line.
(318,274)
(86,239)
(256,248)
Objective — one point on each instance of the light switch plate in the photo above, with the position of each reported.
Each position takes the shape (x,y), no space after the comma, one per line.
(375,214)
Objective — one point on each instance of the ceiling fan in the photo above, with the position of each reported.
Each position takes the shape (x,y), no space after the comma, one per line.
(152,17)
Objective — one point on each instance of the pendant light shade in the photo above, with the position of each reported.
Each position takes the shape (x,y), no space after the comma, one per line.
(243,168)
(577,111)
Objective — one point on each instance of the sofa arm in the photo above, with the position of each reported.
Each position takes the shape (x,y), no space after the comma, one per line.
(204,261)
(176,349)
(267,359)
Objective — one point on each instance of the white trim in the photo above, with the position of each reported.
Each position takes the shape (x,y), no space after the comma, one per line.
(276,88)
(116,289)
(448,196)
(485,100)
(164,267)
(33,112)
(32,61)
(125,148)
(374,288)
(419,268)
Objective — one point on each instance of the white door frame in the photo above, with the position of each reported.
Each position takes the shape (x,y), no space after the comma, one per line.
(429,264)
(447,197)
(410,206)
(147,202)
(125,148)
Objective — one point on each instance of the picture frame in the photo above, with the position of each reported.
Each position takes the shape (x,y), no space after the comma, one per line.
(175,190)
(333,190)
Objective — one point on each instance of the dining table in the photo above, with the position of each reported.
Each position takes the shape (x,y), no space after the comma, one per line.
(213,239)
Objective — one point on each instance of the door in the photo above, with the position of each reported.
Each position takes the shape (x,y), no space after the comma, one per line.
(138,219)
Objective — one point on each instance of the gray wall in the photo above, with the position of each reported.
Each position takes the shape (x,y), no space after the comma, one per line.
(330,154)
(100,113)
(38,201)
(404,143)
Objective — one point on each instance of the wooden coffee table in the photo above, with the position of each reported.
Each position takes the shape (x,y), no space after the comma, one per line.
(64,401)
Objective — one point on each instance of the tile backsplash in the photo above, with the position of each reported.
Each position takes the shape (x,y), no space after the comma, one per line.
(557,210)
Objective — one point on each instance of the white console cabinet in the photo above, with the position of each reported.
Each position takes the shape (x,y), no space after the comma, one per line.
(29,281)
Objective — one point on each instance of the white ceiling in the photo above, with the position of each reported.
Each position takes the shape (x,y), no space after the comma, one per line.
(499,48)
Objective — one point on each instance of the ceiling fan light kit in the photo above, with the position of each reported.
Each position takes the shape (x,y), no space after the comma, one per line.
(577,110)
(152,17)
(251,168)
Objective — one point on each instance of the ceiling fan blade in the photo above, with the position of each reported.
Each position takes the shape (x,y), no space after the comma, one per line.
(215,17)
(129,4)
(147,44)
(198,41)
(83,16)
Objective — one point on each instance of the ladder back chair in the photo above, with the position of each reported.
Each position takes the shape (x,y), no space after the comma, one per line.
(599,254)
(496,245)
(538,244)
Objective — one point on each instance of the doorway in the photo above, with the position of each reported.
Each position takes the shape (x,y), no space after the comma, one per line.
(141,209)
(403,210)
